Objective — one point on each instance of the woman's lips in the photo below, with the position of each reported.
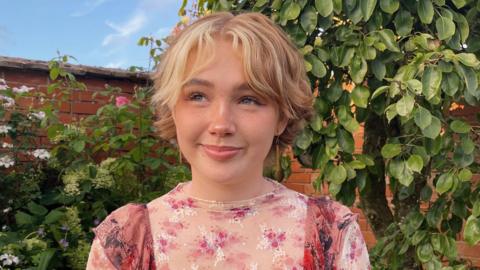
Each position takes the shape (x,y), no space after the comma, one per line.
(220,153)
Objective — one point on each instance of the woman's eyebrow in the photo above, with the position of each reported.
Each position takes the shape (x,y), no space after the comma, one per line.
(196,81)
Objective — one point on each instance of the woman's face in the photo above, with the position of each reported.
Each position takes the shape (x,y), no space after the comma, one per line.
(223,128)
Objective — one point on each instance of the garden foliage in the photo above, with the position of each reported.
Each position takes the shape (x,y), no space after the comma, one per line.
(410,63)
(51,198)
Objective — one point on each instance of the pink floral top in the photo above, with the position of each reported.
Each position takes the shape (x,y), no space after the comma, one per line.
(282,229)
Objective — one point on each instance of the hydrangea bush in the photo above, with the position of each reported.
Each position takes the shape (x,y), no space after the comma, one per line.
(53,196)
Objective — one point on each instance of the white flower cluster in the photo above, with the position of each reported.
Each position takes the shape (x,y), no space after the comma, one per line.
(6,161)
(104,178)
(4,129)
(3,84)
(71,180)
(7,145)
(40,154)
(40,115)
(9,259)
(71,131)
(22,89)
(7,102)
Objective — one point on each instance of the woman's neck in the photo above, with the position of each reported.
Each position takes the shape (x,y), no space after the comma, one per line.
(226,191)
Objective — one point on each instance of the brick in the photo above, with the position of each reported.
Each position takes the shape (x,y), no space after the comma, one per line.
(85,108)
(93,83)
(297,187)
(125,85)
(299,178)
(26,77)
(466,250)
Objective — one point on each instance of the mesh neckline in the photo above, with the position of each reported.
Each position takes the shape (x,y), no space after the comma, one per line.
(178,193)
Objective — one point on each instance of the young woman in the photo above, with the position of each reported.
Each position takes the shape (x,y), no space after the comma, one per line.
(229,90)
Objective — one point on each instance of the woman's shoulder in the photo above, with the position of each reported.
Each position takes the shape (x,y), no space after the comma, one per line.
(331,210)
(125,235)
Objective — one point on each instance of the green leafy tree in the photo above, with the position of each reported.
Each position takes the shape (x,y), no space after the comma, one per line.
(408,62)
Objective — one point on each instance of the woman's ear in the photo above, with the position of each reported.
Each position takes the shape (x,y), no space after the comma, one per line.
(281,126)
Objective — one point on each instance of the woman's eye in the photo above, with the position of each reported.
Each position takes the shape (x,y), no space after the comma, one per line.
(249,101)
(196,97)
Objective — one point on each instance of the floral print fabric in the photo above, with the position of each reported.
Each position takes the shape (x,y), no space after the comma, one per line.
(282,229)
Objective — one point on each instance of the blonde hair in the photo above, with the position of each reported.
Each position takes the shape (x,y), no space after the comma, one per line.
(273,67)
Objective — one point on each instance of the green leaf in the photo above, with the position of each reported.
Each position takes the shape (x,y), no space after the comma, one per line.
(471,233)
(345,140)
(318,68)
(358,69)
(317,122)
(324,7)
(36,209)
(378,69)
(368,6)
(459,3)
(425,252)
(405,105)
(360,95)
(54,73)
(418,236)
(415,163)
(468,59)
(334,92)
(54,216)
(379,91)
(432,130)
(44,259)
(450,83)
(444,183)
(23,218)
(78,146)
(261,3)
(470,77)
(425,11)
(292,11)
(445,27)
(415,85)
(462,25)
(476,209)
(459,126)
(391,112)
(431,80)
(388,38)
(337,175)
(389,6)
(399,170)
(461,159)
(403,23)
(304,140)
(308,19)
(465,175)
(391,150)
(468,146)
(368,160)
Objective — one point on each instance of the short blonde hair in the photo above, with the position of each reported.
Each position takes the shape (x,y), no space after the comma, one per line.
(273,67)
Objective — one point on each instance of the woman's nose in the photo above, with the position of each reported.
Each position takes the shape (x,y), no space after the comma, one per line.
(221,120)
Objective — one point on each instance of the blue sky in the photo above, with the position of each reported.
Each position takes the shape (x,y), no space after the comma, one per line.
(96,32)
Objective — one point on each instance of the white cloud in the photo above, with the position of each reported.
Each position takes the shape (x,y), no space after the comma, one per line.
(116,64)
(89,6)
(133,25)
(117,44)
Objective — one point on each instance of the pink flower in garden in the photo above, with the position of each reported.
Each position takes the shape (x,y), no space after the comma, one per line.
(121,101)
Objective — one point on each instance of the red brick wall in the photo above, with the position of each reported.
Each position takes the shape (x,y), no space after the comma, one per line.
(82,104)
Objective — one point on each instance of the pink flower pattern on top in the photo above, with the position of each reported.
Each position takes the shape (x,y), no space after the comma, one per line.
(278,230)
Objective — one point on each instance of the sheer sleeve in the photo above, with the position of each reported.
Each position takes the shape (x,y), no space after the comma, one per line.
(353,251)
(97,258)
(124,239)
